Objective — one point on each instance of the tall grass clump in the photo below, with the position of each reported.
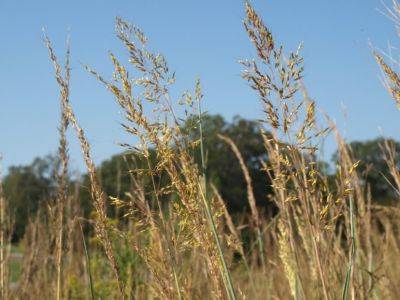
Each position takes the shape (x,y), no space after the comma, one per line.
(162,130)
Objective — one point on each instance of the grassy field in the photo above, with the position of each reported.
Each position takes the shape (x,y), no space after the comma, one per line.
(171,236)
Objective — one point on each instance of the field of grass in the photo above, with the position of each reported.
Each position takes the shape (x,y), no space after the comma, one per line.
(171,236)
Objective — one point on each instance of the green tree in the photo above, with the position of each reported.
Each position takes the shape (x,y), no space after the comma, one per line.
(25,188)
(223,168)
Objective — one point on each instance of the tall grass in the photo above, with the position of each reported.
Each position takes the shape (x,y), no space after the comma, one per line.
(173,236)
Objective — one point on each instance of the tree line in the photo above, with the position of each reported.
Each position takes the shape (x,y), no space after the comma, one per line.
(28,187)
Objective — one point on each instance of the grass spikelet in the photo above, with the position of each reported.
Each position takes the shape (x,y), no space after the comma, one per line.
(287,259)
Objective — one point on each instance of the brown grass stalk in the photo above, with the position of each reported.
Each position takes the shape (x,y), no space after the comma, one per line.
(98,196)
(250,194)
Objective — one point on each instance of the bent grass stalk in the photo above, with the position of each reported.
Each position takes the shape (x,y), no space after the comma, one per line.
(250,195)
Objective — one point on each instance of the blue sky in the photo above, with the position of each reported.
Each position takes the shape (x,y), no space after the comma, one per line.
(199,38)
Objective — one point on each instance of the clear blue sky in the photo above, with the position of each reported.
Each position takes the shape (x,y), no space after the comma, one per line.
(204,38)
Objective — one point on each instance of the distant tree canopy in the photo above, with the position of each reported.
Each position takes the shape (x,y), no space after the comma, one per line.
(27,186)
(223,168)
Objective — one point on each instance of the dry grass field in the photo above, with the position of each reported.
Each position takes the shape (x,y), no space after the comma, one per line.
(175,238)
